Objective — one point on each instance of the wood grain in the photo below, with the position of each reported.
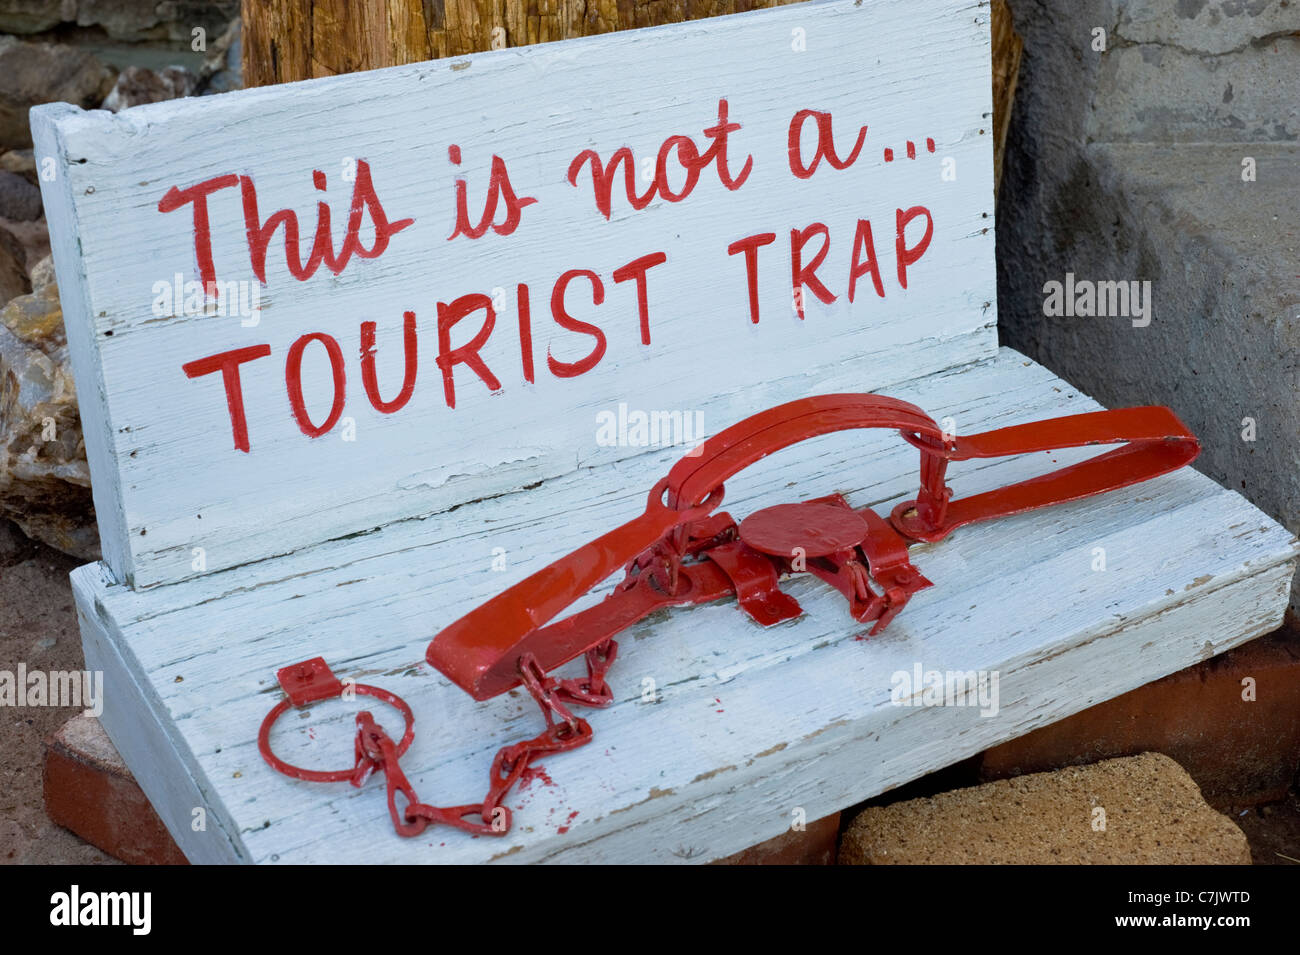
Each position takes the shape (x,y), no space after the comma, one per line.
(289,40)
(1007,49)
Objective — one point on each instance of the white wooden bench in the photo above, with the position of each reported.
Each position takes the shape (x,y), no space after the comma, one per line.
(222,565)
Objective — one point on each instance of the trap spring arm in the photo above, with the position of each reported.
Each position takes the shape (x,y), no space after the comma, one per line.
(1156,442)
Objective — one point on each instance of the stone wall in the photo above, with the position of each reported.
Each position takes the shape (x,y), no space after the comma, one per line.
(98,55)
(132,21)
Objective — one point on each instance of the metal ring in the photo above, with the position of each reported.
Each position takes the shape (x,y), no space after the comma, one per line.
(336,776)
(703,509)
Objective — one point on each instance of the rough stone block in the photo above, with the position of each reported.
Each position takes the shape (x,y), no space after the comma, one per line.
(1137,810)
(32,73)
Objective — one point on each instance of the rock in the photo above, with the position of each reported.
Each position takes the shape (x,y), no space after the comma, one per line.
(44,477)
(38,319)
(1138,809)
(137,85)
(222,70)
(19,199)
(21,162)
(29,16)
(13,268)
(42,273)
(33,237)
(14,544)
(1215,27)
(14,246)
(131,20)
(32,73)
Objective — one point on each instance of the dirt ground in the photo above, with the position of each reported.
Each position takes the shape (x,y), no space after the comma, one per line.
(1273,831)
(38,627)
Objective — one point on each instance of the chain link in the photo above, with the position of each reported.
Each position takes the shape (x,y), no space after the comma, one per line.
(376,751)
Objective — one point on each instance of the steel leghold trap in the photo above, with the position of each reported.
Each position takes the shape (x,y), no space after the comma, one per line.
(679,552)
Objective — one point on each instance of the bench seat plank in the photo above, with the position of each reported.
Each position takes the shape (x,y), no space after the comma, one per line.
(747,726)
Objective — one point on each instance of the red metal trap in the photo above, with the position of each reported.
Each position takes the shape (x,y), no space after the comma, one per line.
(679,552)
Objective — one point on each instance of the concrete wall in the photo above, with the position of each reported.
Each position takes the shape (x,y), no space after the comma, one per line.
(1127,164)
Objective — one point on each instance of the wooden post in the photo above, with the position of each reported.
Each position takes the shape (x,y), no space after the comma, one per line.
(1007,48)
(287,40)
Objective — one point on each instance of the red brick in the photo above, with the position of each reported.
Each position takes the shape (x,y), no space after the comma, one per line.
(1239,753)
(89,790)
(815,845)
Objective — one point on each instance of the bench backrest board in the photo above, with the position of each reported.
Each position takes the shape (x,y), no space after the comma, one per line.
(242,364)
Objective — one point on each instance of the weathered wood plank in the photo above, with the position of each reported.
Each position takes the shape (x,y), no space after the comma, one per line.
(751,723)
(175,498)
